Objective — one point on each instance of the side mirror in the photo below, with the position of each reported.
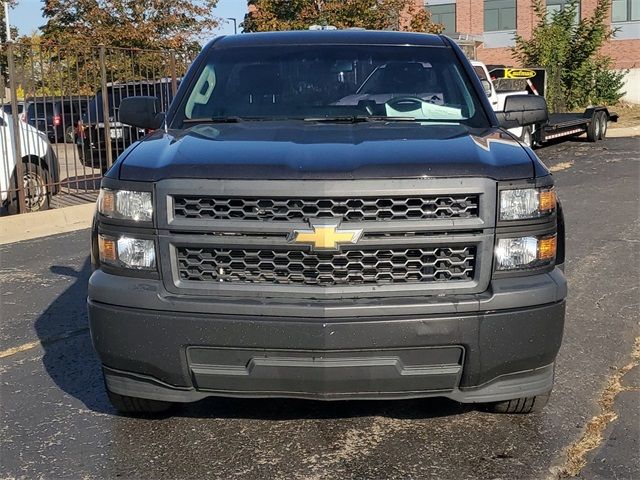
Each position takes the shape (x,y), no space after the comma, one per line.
(486,84)
(522,110)
(141,112)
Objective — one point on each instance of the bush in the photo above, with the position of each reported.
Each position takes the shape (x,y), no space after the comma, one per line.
(577,75)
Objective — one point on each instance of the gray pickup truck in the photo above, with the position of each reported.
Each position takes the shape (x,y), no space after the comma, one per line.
(328,215)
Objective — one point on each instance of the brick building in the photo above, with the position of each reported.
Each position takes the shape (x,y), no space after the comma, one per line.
(494,23)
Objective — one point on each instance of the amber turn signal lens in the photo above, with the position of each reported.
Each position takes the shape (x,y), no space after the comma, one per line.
(106,201)
(107,249)
(547,201)
(547,248)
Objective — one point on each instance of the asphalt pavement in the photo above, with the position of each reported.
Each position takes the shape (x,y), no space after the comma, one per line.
(55,420)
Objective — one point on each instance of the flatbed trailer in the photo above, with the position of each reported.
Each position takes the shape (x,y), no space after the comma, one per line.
(593,121)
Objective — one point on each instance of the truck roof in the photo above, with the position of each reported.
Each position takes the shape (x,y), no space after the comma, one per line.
(319,37)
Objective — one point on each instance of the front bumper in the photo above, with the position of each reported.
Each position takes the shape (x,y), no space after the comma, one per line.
(495,346)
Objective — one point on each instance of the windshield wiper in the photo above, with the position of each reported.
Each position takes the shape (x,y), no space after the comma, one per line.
(214,120)
(360,119)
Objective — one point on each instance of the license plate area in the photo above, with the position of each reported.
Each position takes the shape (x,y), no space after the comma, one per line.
(326,373)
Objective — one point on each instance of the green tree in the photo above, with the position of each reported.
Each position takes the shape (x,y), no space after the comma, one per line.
(577,74)
(143,24)
(269,15)
(3,39)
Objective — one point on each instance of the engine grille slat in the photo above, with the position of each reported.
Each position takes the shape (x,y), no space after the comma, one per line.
(347,209)
(349,267)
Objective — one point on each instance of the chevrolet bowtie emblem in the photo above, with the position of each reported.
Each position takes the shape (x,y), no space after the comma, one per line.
(325,237)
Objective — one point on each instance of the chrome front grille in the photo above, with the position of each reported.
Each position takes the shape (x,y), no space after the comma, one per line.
(357,209)
(371,266)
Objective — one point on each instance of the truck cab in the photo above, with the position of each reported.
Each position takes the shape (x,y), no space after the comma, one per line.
(328,215)
(497,100)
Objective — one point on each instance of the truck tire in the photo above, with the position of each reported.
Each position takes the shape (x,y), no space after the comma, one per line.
(593,130)
(521,405)
(37,193)
(604,125)
(137,406)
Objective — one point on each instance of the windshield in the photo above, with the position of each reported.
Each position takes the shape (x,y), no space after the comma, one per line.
(332,82)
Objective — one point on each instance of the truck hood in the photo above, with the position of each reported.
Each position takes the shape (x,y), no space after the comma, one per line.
(297,150)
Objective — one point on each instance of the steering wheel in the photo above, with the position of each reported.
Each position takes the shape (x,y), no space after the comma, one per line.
(405,103)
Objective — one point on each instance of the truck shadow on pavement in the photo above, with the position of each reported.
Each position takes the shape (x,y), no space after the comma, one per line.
(63,330)
(70,361)
(293,409)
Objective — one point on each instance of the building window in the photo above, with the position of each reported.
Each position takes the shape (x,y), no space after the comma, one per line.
(554,6)
(444,13)
(499,15)
(625,11)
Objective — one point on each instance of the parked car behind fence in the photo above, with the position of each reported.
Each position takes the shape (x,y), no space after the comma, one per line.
(28,165)
(57,93)
(56,116)
(94,135)
(8,109)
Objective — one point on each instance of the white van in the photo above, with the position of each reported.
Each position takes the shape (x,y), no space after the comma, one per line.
(41,171)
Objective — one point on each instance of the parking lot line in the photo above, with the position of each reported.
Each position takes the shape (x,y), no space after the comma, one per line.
(28,346)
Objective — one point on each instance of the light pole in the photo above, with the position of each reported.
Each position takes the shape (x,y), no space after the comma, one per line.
(6,20)
(235,24)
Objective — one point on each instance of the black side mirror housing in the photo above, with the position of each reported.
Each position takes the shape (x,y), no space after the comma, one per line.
(523,110)
(141,112)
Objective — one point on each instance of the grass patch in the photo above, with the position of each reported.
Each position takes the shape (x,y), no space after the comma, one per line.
(593,434)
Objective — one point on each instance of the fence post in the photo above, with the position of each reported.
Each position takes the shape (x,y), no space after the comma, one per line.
(105,107)
(17,138)
(174,78)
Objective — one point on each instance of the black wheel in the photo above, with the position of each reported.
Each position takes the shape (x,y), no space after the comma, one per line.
(520,405)
(593,130)
(527,137)
(138,406)
(37,195)
(604,125)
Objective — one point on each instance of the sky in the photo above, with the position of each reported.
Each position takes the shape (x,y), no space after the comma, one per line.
(27,15)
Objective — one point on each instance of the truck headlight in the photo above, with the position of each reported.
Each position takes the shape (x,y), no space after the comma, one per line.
(526,203)
(127,252)
(525,252)
(125,205)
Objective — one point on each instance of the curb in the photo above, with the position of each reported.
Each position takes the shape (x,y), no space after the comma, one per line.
(28,226)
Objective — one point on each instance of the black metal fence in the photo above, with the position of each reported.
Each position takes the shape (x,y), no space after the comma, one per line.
(59,128)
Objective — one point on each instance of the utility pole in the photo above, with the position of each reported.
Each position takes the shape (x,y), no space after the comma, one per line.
(235,24)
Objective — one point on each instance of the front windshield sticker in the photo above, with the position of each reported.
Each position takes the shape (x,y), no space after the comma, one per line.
(202,91)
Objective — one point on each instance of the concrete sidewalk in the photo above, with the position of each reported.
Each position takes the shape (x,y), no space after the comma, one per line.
(16,228)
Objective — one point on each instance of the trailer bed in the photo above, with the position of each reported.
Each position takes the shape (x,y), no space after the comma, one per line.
(567,119)
(593,121)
